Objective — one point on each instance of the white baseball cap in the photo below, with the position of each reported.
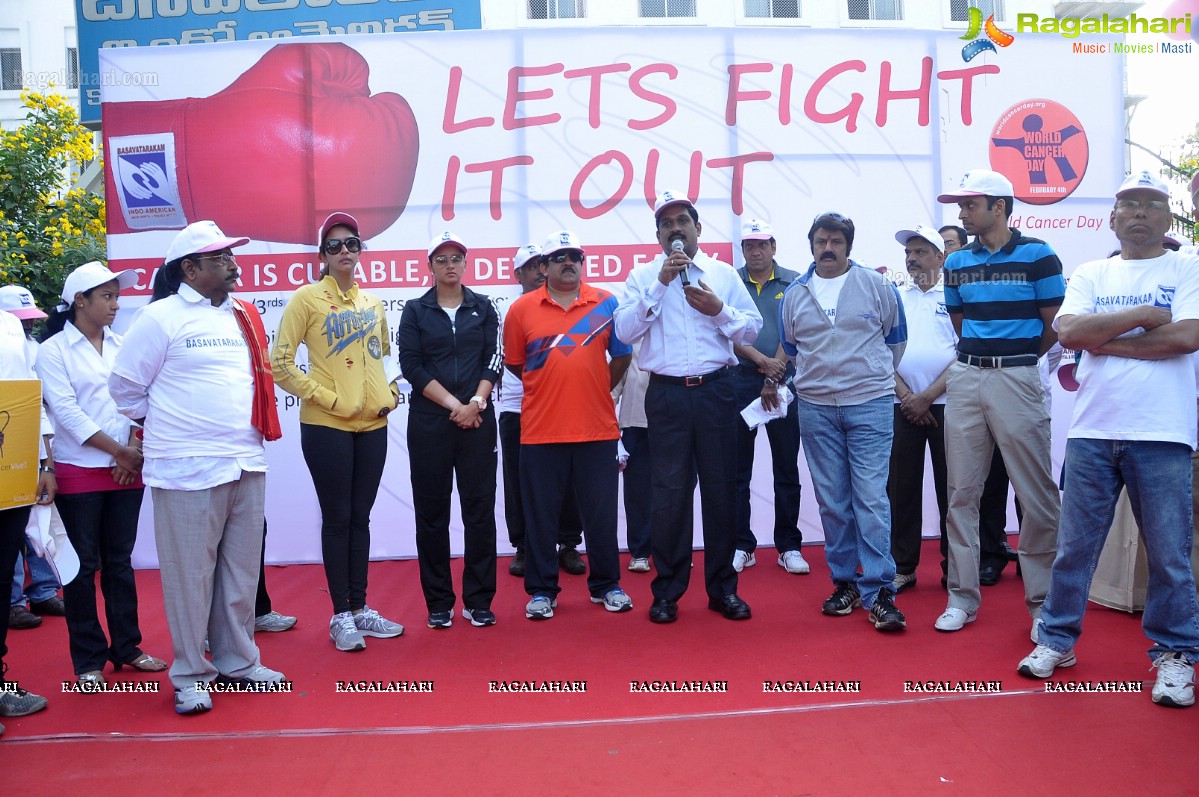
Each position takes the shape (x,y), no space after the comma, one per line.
(91,275)
(524,255)
(979,182)
(344,219)
(670,197)
(446,237)
(1145,180)
(754,230)
(200,237)
(922,231)
(560,241)
(19,301)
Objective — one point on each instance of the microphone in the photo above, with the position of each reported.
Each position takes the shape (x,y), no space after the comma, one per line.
(677,246)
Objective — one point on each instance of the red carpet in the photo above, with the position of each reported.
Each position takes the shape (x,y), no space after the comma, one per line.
(464,738)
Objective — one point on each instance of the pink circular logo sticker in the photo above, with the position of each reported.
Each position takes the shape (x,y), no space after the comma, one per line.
(1041,147)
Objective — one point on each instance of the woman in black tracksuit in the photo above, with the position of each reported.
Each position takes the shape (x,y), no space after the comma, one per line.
(449,350)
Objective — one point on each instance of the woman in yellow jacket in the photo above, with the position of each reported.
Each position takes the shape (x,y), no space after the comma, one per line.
(347,394)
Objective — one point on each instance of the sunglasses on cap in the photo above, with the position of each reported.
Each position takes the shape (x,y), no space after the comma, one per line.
(837,217)
(334,245)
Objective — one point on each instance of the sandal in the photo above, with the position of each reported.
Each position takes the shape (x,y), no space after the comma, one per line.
(91,681)
(144,663)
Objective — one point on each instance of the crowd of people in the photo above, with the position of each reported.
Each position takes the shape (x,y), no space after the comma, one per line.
(862,372)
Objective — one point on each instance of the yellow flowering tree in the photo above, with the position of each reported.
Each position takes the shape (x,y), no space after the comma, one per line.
(47,227)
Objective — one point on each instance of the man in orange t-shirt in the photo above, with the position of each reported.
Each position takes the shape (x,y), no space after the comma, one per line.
(557,340)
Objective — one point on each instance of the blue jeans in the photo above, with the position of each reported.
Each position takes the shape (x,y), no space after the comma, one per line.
(1158,478)
(43,585)
(848,450)
(783,434)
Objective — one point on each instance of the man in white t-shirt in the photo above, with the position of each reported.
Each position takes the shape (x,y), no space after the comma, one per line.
(920,380)
(185,368)
(1134,319)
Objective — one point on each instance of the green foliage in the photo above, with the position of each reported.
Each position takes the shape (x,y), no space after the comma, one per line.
(47,228)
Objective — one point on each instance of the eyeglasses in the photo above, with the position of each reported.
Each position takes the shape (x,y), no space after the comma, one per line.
(334,245)
(1136,204)
(443,260)
(561,257)
(833,217)
(224,258)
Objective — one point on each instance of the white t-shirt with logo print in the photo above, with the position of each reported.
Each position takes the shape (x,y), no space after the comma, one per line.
(827,292)
(1121,398)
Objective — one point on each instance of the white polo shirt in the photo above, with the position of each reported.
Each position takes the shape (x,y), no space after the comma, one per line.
(932,343)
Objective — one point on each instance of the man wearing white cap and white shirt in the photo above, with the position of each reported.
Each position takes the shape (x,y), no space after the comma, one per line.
(691,310)
(1001,292)
(530,273)
(1134,317)
(42,593)
(192,376)
(765,364)
(920,381)
(558,339)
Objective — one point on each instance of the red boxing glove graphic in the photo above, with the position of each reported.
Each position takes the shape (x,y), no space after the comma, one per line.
(293,139)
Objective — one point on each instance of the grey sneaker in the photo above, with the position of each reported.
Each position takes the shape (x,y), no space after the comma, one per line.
(1175,686)
(370,623)
(345,634)
(541,607)
(190,700)
(615,600)
(639,564)
(19,703)
(1043,660)
(274,622)
(903,581)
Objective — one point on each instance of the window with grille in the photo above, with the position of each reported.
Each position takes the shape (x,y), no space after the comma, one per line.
(876,9)
(557,9)
(772,9)
(959,10)
(10,69)
(667,8)
(72,67)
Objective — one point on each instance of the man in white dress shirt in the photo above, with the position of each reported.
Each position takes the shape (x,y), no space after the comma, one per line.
(689,310)
(186,369)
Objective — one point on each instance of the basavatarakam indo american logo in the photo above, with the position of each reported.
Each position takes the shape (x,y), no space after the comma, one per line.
(977,46)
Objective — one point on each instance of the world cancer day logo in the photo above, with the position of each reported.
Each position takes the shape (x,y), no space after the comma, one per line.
(975,27)
(1042,148)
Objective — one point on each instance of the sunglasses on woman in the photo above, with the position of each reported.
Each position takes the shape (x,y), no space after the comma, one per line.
(334,245)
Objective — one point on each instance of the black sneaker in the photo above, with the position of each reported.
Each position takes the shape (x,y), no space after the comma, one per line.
(479,617)
(845,599)
(441,619)
(884,615)
(517,566)
(570,561)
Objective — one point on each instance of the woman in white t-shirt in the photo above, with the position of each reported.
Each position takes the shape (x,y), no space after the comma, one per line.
(98,466)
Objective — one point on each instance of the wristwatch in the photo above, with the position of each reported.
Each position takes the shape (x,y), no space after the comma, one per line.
(482,402)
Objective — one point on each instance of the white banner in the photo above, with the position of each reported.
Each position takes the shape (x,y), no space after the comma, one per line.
(504,136)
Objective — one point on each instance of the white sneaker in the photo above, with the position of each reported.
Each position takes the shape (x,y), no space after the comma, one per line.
(743,559)
(954,619)
(1043,660)
(1175,686)
(793,562)
(639,564)
(1033,635)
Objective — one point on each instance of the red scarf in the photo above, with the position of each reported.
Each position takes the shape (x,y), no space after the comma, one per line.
(265,416)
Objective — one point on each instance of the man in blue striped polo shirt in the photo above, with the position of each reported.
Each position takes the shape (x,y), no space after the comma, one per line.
(1002,293)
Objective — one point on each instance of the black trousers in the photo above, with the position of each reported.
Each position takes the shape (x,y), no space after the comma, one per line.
(12,533)
(783,434)
(439,450)
(102,527)
(548,474)
(346,468)
(905,487)
(693,427)
(570,528)
(262,601)
(992,516)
